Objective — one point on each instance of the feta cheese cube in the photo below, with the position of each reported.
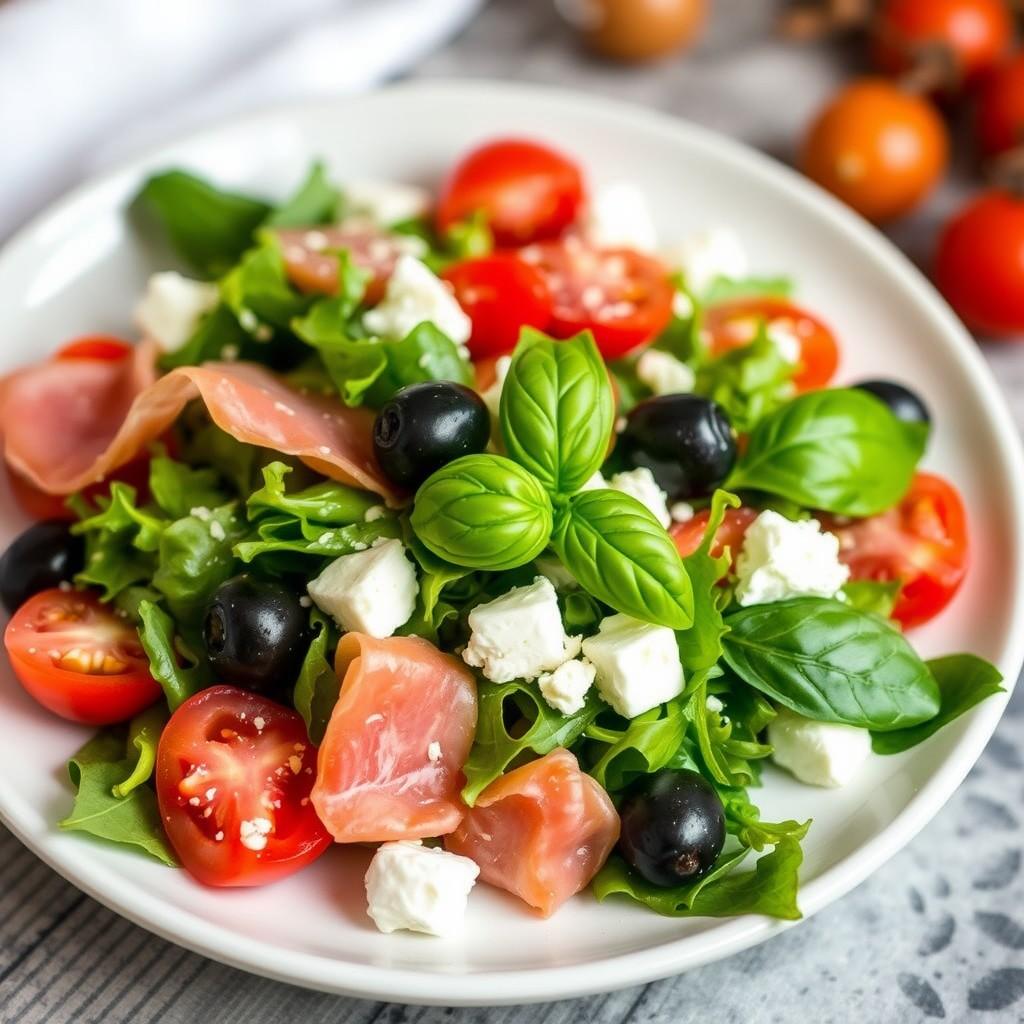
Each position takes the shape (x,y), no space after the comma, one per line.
(415,294)
(640,484)
(492,396)
(620,218)
(519,635)
(566,688)
(781,558)
(596,482)
(637,664)
(172,306)
(386,202)
(371,591)
(418,888)
(709,255)
(818,753)
(664,374)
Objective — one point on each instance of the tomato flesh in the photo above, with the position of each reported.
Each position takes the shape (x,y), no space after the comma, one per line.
(1000,112)
(688,535)
(78,659)
(103,347)
(233,777)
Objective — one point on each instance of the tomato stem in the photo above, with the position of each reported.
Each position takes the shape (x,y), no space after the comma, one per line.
(934,68)
(810,20)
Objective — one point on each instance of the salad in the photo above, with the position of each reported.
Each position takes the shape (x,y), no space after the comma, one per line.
(488,528)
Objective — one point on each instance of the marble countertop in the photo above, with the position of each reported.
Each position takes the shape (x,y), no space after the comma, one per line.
(937,934)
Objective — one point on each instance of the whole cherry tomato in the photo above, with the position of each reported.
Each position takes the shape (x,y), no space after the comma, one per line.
(999,121)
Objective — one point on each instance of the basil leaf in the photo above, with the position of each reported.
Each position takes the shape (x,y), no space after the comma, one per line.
(158,637)
(842,451)
(484,512)
(557,410)
(622,556)
(210,228)
(514,720)
(315,202)
(143,735)
(317,688)
(726,289)
(876,596)
(831,663)
(647,745)
(964,680)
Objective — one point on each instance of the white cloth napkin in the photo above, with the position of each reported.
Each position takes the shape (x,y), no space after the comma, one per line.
(84,82)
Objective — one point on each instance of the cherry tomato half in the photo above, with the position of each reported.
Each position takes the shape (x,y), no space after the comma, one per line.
(730,534)
(102,347)
(78,659)
(527,191)
(501,294)
(734,324)
(622,296)
(233,775)
(999,121)
(979,266)
(922,543)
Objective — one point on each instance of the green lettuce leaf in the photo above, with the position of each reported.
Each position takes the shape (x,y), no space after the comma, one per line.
(317,688)
(315,202)
(180,673)
(143,736)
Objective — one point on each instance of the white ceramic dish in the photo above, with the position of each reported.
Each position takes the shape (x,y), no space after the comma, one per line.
(79,268)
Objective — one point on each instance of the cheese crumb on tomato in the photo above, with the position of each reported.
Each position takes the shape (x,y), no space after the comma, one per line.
(418,888)
(818,753)
(386,202)
(567,687)
(172,306)
(782,558)
(664,374)
(709,255)
(253,834)
(619,217)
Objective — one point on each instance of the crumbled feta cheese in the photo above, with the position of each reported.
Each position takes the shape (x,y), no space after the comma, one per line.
(415,294)
(781,558)
(550,566)
(596,482)
(520,634)
(253,834)
(681,512)
(492,396)
(371,591)
(709,255)
(434,752)
(418,888)
(682,305)
(714,704)
(637,664)
(620,217)
(171,307)
(217,531)
(818,753)
(386,202)
(640,484)
(373,513)
(664,374)
(786,343)
(566,688)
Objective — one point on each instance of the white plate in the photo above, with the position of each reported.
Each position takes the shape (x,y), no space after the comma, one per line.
(79,269)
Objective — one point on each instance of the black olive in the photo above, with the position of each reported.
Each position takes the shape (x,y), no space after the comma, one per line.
(256,634)
(686,441)
(42,557)
(426,426)
(903,403)
(673,827)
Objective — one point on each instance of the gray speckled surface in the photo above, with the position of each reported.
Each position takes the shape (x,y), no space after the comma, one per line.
(936,934)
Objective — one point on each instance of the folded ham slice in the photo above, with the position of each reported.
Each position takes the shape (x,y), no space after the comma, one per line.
(68,423)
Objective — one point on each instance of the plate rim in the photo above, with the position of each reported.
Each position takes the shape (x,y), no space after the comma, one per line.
(495,987)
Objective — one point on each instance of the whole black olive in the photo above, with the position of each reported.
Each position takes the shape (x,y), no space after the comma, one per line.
(903,403)
(673,827)
(256,634)
(685,440)
(45,555)
(426,426)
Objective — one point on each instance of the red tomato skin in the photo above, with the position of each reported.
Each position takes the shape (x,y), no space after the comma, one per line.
(528,191)
(193,739)
(979,266)
(86,697)
(819,350)
(103,347)
(688,535)
(501,294)
(999,118)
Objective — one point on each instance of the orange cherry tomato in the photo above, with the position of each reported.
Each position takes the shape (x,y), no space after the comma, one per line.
(999,123)
(878,148)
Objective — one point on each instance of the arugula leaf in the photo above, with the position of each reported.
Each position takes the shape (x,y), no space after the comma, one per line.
(210,228)
(258,286)
(557,410)
(964,681)
(831,663)
(876,596)
(143,735)
(743,820)
(435,574)
(840,450)
(177,487)
(317,688)
(726,289)
(536,727)
(483,512)
(284,535)
(132,819)
(315,202)
(647,745)
(622,556)
(159,640)
(327,504)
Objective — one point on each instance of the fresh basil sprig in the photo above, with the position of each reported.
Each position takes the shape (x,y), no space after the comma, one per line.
(484,512)
(622,555)
(832,663)
(840,450)
(557,410)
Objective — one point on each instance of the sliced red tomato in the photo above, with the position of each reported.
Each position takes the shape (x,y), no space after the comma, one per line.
(501,294)
(391,760)
(730,534)
(528,192)
(233,775)
(734,324)
(103,347)
(541,832)
(78,659)
(922,543)
(622,296)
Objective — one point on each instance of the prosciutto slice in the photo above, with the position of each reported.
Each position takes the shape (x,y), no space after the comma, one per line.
(69,423)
